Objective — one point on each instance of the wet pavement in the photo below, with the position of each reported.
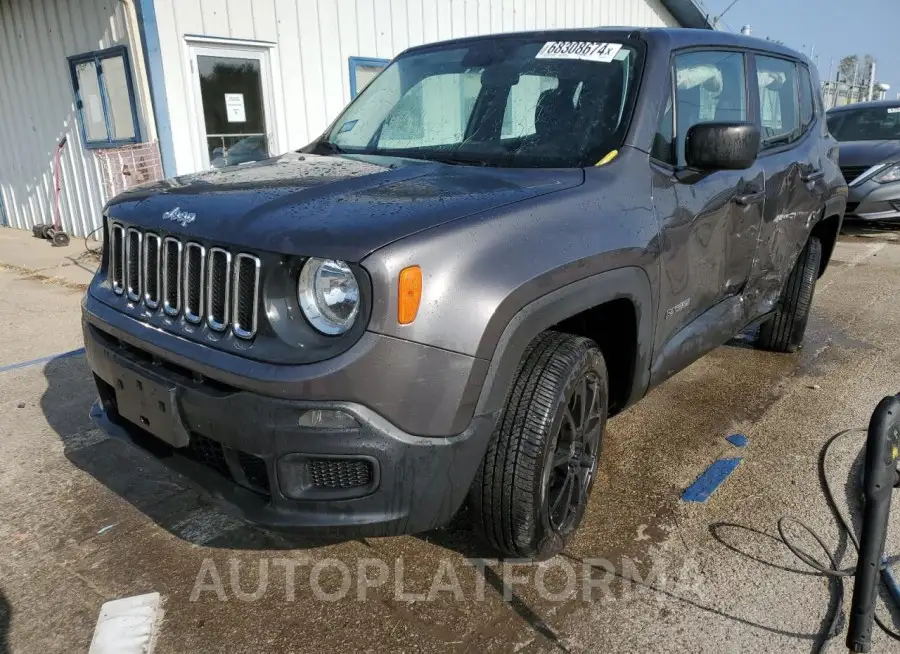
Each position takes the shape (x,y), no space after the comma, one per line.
(84,519)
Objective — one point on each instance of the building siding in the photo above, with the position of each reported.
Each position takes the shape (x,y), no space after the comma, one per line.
(312,41)
(37,107)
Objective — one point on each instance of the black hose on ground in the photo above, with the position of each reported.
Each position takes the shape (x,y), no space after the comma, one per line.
(835,617)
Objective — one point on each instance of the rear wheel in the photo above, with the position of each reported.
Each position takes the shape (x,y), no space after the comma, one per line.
(532,488)
(784,331)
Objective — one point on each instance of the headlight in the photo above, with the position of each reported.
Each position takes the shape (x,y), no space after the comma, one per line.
(329,295)
(889,174)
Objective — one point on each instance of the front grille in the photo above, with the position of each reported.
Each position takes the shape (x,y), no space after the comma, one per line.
(218,288)
(852,172)
(133,264)
(339,473)
(151,270)
(213,285)
(246,296)
(194,267)
(117,259)
(172,261)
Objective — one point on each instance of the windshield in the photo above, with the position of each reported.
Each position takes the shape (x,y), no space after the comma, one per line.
(865,124)
(505,102)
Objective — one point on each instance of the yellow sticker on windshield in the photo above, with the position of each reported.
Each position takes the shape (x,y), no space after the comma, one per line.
(584,50)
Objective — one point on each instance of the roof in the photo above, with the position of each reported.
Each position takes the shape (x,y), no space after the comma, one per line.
(681,38)
(670,38)
(863,105)
(688,13)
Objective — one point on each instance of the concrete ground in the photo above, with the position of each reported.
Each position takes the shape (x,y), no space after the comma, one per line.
(84,519)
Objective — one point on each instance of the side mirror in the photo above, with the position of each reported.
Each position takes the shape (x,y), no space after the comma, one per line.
(722,146)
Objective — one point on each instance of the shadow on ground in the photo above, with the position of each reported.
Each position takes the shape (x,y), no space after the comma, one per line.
(164,496)
(5,619)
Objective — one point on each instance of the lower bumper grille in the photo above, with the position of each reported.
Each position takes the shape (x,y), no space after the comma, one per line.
(213,455)
(339,473)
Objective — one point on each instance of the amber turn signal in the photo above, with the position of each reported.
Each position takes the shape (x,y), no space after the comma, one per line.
(410,294)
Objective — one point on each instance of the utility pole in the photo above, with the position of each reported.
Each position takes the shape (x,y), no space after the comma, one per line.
(715,21)
(872,81)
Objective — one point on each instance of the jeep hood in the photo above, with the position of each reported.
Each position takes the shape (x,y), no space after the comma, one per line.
(333,207)
(867,153)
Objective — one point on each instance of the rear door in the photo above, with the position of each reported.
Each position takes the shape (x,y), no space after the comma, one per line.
(709,219)
(793,160)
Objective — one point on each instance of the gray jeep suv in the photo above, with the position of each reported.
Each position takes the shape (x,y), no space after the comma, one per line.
(502,242)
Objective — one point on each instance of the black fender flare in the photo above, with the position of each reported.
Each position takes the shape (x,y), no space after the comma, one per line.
(631,283)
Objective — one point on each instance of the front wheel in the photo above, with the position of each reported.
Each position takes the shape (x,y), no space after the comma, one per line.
(532,488)
(784,331)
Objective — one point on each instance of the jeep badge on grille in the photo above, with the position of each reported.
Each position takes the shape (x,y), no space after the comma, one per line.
(177,215)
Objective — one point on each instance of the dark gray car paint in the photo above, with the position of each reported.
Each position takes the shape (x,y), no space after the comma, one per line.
(308,205)
(493,241)
(505,254)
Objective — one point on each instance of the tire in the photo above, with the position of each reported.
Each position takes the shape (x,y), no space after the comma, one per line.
(784,331)
(531,490)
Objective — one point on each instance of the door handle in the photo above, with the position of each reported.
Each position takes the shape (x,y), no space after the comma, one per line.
(750,198)
(813,176)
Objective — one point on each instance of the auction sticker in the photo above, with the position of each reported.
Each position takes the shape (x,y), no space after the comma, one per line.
(585,50)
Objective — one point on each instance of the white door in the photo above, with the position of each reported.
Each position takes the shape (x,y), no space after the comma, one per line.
(232,104)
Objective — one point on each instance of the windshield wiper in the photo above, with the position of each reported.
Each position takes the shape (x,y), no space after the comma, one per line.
(327,147)
(456,160)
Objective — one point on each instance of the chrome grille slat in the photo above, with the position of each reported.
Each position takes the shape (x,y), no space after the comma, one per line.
(218,288)
(172,262)
(194,268)
(151,269)
(214,286)
(133,239)
(246,295)
(117,258)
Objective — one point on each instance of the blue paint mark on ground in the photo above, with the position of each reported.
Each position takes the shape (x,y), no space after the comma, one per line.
(738,440)
(37,362)
(709,481)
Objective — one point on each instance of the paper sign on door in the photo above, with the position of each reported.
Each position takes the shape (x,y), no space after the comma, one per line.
(234,108)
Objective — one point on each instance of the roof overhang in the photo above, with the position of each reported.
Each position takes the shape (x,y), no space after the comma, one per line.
(688,13)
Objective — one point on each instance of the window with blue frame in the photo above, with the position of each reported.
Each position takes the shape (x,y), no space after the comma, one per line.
(362,71)
(104,98)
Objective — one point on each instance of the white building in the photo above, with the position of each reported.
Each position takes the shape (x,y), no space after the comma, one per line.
(142,89)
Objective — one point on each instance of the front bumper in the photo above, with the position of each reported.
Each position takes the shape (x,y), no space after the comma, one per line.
(374,480)
(874,202)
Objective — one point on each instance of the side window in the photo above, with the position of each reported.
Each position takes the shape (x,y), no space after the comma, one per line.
(807,99)
(663,149)
(710,85)
(778,100)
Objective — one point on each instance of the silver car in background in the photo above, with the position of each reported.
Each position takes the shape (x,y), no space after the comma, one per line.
(869,134)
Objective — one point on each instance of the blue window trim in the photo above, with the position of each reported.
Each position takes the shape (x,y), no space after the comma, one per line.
(356,62)
(97,57)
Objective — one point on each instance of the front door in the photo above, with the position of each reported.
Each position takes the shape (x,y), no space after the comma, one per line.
(232,105)
(791,126)
(709,220)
